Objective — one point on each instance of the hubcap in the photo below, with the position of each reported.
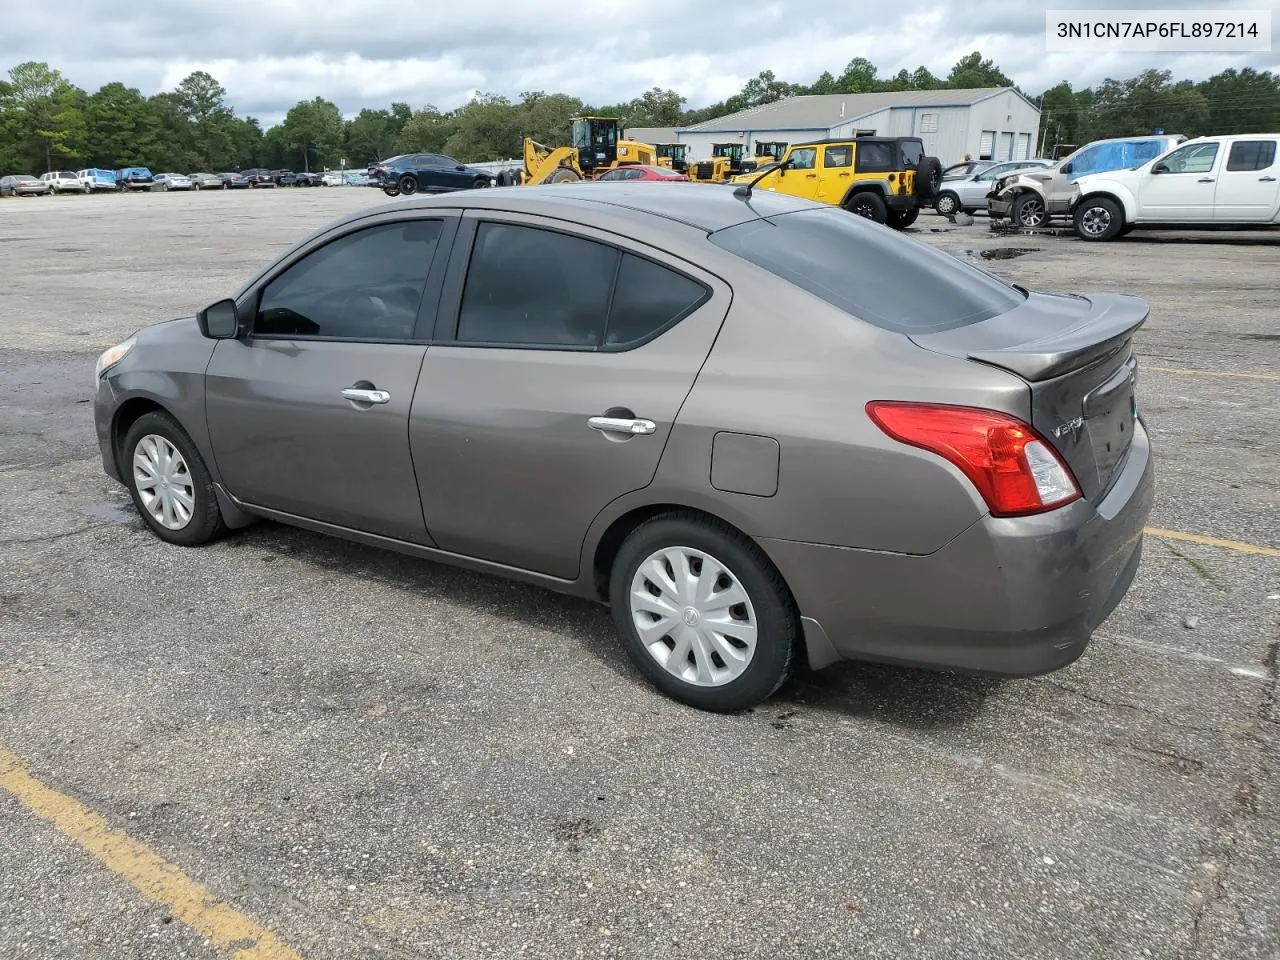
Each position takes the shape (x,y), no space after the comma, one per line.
(163,482)
(946,205)
(1096,221)
(1032,214)
(693,616)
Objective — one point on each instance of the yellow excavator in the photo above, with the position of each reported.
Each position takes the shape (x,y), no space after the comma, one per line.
(725,162)
(673,156)
(594,148)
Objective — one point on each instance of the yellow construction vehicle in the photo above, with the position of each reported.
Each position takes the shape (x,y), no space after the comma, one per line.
(725,162)
(766,152)
(673,156)
(594,148)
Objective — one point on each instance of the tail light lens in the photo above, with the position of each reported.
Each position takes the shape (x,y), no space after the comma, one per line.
(1014,467)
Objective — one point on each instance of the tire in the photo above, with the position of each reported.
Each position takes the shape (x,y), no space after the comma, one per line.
(900,221)
(1028,211)
(506,178)
(480,183)
(563,175)
(928,178)
(767,605)
(1098,218)
(869,205)
(946,204)
(151,432)
(391,191)
(408,184)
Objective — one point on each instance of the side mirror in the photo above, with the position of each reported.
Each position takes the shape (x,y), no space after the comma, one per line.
(219,321)
(461,166)
(1067,168)
(1160,167)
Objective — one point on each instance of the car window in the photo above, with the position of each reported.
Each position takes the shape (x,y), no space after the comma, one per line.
(992,172)
(837,157)
(875,157)
(804,158)
(912,151)
(1195,158)
(1251,155)
(528,286)
(648,298)
(366,285)
(877,275)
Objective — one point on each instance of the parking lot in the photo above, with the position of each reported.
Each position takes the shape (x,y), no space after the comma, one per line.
(299,747)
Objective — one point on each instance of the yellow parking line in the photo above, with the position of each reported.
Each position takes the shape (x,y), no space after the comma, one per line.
(1238,545)
(1190,372)
(154,877)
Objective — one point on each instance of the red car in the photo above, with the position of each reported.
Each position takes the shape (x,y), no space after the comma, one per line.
(640,171)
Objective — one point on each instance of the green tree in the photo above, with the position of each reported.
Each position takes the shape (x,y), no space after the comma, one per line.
(370,136)
(487,128)
(43,124)
(202,101)
(859,76)
(121,128)
(312,133)
(825,84)
(175,147)
(427,131)
(655,107)
(923,79)
(546,117)
(1147,102)
(972,71)
(1241,101)
(1064,115)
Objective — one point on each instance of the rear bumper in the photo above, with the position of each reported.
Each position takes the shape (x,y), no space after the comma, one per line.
(901,202)
(1009,596)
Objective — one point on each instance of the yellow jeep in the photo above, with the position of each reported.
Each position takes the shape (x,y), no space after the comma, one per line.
(885,179)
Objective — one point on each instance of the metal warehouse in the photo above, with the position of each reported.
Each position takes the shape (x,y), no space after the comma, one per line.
(989,123)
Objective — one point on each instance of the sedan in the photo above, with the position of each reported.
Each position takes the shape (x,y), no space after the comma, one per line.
(426,172)
(586,387)
(640,171)
(23,185)
(969,191)
(172,181)
(205,181)
(234,181)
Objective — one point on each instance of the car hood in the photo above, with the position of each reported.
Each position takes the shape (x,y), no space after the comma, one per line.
(1126,177)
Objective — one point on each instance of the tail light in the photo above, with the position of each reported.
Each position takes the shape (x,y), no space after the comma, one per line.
(1013,467)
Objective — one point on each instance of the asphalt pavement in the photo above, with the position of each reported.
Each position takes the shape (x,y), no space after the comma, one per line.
(369,755)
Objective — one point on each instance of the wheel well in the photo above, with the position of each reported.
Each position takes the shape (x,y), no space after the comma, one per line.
(128,414)
(1097,194)
(877,188)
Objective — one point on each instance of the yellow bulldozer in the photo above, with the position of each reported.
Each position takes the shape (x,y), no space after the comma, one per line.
(766,152)
(595,146)
(725,162)
(673,156)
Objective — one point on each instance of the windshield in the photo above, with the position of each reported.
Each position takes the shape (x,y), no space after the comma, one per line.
(1113,155)
(878,275)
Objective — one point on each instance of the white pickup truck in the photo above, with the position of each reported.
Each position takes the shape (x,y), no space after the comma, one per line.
(1205,182)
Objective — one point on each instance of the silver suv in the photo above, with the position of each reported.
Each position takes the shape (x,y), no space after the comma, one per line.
(1031,198)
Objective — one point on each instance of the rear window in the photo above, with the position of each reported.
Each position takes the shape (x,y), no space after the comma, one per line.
(870,271)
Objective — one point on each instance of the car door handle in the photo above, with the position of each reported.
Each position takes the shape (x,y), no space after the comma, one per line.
(622,425)
(1267,179)
(811,176)
(366,396)
(1205,180)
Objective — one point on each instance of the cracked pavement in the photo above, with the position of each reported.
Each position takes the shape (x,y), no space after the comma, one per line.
(377,756)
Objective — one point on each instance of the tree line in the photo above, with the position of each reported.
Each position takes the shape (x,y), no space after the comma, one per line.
(46,122)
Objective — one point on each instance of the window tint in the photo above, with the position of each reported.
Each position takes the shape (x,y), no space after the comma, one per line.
(912,151)
(878,275)
(648,297)
(530,286)
(1198,158)
(875,157)
(366,285)
(1251,155)
(804,158)
(838,157)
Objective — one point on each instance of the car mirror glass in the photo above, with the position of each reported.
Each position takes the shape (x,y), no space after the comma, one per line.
(219,321)
(1160,168)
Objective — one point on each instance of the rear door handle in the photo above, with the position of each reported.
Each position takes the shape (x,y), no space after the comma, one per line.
(1267,179)
(622,425)
(366,396)
(1205,180)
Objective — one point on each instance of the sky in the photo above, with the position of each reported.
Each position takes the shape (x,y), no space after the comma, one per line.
(271,53)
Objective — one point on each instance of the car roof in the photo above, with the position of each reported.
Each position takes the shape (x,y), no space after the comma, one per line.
(707,207)
(818,143)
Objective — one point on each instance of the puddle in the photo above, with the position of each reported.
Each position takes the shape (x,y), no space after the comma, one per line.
(999,253)
(70,249)
(113,512)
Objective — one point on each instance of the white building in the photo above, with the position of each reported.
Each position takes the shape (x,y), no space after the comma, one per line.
(990,123)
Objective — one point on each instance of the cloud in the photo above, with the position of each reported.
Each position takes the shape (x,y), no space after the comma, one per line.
(271,53)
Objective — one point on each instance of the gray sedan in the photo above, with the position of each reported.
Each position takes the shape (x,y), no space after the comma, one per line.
(969,192)
(763,431)
(23,185)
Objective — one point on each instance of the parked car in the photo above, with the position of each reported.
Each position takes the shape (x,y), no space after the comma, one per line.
(1205,182)
(1031,198)
(23,185)
(307,179)
(963,169)
(332,178)
(234,181)
(63,181)
(356,179)
(285,178)
(95,180)
(205,181)
(641,171)
(172,181)
(608,407)
(258,177)
(426,172)
(969,193)
(134,178)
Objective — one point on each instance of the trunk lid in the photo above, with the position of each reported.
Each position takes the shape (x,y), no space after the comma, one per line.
(1075,354)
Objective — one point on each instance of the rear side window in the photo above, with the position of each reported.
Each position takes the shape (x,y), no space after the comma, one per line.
(912,151)
(1251,155)
(648,298)
(874,157)
(870,272)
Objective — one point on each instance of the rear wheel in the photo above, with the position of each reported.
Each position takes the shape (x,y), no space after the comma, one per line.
(703,613)
(391,191)
(169,482)
(902,220)
(408,184)
(563,175)
(946,204)
(869,205)
(1028,211)
(1099,218)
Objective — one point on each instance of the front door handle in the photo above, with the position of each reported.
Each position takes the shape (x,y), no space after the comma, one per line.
(360,395)
(622,425)
(1267,179)
(1205,180)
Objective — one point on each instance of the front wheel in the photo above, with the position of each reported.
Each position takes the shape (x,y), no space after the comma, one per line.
(1098,219)
(946,204)
(408,184)
(869,205)
(703,613)
(1029,211)
(169,482)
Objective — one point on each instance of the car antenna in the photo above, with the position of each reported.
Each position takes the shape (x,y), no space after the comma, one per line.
(744,190)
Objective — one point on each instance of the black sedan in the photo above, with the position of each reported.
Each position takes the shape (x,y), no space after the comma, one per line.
(233,181)
(411,173)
